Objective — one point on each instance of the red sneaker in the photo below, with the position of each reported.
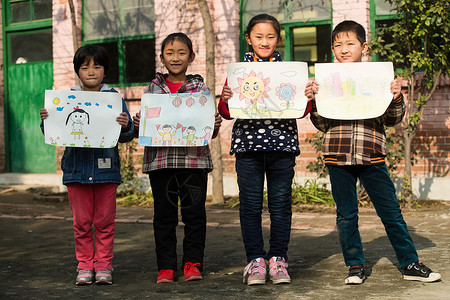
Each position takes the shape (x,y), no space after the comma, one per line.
(191,271)
(165,275)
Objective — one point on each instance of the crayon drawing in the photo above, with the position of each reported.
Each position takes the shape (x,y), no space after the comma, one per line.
(176,120)
(351,91)
(266,91)
(82,119)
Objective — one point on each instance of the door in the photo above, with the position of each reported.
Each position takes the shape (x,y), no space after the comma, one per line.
(29,74)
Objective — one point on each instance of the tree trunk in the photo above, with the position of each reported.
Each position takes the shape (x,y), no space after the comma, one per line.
(75,40)
(217,174)
(407,175)
(76,44)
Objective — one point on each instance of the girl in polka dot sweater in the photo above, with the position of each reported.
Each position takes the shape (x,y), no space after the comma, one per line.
(264,147)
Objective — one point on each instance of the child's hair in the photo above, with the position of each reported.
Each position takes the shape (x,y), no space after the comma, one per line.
(78,110)
(264,18)
(349,26)
(88,52)
(177,36)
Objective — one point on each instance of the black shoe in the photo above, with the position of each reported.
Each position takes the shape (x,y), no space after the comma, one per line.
(419,272)
(356,275)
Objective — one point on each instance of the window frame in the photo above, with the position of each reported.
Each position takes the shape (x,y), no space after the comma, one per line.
(120,50)
(31,24)
(374,17)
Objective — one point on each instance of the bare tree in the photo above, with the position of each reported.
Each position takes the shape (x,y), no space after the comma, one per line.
(76,43)
(217,173)
(75,39)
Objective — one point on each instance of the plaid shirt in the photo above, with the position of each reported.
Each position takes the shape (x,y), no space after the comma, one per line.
(156,158)
(357,142)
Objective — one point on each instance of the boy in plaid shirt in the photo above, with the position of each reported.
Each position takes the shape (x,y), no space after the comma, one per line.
(356,149)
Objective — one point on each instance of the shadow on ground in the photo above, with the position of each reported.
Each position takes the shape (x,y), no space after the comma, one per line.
(37,261)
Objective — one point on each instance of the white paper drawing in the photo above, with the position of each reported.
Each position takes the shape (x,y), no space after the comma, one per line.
(352,91)
(82,119)
(267,90)
(176,120)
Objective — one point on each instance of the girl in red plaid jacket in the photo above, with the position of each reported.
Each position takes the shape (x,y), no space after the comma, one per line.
(178,172)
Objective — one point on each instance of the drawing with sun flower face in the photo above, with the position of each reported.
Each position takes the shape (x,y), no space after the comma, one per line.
(253,88)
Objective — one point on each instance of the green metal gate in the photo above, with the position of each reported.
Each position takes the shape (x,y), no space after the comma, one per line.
(26,85)
(28,67)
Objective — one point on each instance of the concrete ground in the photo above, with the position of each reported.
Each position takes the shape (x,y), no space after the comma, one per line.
(37,259)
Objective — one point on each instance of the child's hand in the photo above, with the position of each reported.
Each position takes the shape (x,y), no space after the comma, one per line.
(123,119)
(396,88)
(226,94)
(44,114)
(311,89)
(217,122)
(136,120)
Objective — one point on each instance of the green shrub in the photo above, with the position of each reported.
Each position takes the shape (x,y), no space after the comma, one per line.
(129,192)
(312,192)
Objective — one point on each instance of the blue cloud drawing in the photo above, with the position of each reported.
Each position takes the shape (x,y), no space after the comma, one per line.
(60,108)
(87,103)
(71,97)
(109,106)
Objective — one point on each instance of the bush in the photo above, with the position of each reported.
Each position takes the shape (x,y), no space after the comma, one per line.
(129,192)
(312,192)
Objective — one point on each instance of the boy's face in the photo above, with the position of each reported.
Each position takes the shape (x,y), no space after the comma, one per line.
(347,48)
(91,75)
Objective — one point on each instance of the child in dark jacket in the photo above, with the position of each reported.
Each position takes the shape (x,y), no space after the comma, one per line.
(92,176)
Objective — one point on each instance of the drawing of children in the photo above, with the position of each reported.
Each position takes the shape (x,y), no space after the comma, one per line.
(207,136)
(190,136)
(167,134)
(78,118)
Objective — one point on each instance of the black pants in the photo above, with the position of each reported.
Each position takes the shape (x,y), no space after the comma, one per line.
(187,187)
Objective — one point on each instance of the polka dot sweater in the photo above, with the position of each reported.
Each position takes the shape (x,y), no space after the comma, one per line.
(265,135)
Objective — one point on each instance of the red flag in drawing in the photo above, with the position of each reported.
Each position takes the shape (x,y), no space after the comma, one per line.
(179,125)
(153,112)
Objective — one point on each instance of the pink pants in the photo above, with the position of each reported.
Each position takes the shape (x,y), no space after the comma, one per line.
(93,204)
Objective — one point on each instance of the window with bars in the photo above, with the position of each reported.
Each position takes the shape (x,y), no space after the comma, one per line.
(126,29)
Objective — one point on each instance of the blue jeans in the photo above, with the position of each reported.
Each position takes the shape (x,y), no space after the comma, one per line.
(278,167)
(381,191)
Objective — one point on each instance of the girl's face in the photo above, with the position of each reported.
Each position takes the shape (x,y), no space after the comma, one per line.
(78,117)
(264,39)
(176,58)
(91,75)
